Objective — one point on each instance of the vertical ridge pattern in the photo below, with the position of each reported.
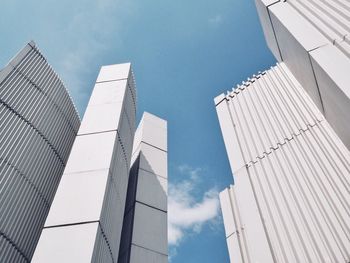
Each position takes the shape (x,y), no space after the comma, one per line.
(297,171)
(331,18)
(38,125)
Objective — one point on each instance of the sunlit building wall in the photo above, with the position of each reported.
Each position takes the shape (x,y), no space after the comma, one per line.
(290,200)
(86,217)
(287,135)
(312,39)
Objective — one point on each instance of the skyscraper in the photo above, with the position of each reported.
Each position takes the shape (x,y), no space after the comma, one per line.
(85,220)
(144,236)
(38,125)
(286,133)
(97,197)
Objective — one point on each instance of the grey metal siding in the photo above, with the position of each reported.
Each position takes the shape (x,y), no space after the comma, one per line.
(38,125)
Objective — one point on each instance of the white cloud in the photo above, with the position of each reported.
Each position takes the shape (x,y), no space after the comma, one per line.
(186,213)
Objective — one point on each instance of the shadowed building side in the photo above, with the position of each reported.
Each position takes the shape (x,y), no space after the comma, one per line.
(38,125)
(144,235)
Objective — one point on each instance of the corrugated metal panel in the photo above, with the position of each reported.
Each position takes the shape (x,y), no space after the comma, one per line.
(312,38)
(269,110)
(331,18)
(303,191)
(38,125)
(298,172)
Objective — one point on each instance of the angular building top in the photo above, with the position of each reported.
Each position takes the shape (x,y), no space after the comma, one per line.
(312,39)
(290,198)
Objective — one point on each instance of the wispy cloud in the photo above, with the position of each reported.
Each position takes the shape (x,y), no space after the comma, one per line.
(215,20)
(91,33)
(188,212)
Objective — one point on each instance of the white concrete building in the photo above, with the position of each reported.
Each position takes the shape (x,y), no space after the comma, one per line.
(85,220)
(287,136)
(38,125)
(111,204)
(312,39)
(290,199)
(144,236)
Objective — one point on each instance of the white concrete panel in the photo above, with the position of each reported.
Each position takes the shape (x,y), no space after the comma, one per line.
(91,152)
(152,190)
(150,229)
(296,37)
(114,72)
(155,135)
(152,130)
(79,198)
(331,18)
(303,32)
(67,244)
(331,69)
(262,8)
(227,212)
(141,255)
(233,249)
(229,134)
(253,230)
(100,118)
(108,92)
(154,120)
(153,160)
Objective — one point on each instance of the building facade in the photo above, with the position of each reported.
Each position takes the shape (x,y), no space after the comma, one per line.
(144,236)
(312,39)
(286,133)
(290,198)
(93,202)
(85,219)
(38,125)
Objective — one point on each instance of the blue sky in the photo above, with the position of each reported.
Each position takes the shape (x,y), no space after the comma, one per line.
(184,53)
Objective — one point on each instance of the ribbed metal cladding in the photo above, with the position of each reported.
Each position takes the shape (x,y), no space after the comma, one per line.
(290,201)
(312,38)
(331,18)
(38,125)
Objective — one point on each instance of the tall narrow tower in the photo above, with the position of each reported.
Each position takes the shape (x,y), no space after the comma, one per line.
(287,136)
(85,220)
(290,199)
(144,237)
